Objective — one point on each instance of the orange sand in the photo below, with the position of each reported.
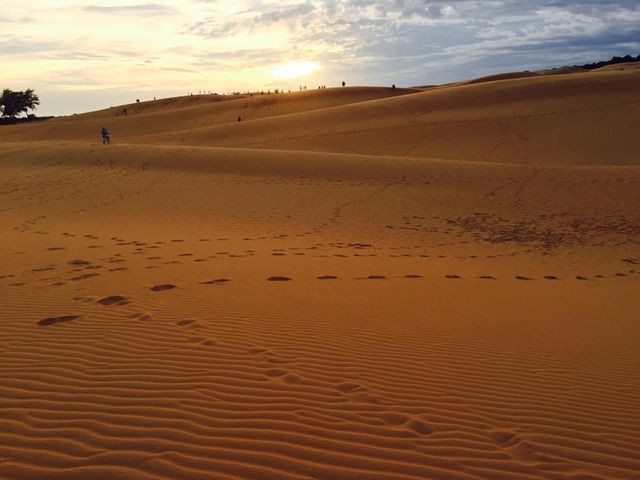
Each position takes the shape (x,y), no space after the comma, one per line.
(358,283)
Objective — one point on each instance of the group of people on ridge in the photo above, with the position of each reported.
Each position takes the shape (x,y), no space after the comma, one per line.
(106,136)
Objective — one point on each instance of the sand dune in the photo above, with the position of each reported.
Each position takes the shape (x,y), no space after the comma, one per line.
(192,112)
(620,66)
(546,119)
(511,122)
(356,284)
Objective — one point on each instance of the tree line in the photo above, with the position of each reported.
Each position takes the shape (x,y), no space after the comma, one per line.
(613,61)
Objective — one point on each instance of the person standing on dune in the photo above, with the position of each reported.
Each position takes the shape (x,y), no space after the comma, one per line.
(106,137)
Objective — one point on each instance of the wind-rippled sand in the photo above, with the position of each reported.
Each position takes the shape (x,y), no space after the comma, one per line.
(349,284)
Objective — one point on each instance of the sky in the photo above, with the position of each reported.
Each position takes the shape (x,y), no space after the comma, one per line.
(83,55)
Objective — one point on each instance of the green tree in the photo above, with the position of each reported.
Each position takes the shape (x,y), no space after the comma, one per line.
(13,103)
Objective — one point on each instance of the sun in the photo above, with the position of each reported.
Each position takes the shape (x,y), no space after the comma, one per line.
(295,70)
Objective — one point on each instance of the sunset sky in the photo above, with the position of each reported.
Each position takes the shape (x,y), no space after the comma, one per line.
(82,55)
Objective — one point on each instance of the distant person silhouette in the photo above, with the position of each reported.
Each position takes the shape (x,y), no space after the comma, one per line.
(106,137)
(344,84)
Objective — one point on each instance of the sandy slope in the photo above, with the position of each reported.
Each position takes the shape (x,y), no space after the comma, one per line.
(511,122)
(187,113)
(185,311)
(567,119)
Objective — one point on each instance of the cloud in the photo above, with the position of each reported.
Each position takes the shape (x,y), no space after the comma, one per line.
(374,37)
(251,20)
(19,46)
(228,43)
(140,9)
(16,20)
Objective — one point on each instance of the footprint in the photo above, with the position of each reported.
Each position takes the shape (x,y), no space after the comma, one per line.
(376,277)
(505,439)
(487,277)
(291,378)
(453,277)
(580,277)
(278,278)
(113,300)
(216,281)
(272,358)
(185,322)
(550,277)
(521,277)
(413,276)
(348,387)
(43,269)
(54,320)
(79,263)
(163,287)
(420,427)
(395,419)
(327,277)
(84,277)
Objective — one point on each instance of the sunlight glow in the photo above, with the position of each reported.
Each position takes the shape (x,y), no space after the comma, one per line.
(295,70)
